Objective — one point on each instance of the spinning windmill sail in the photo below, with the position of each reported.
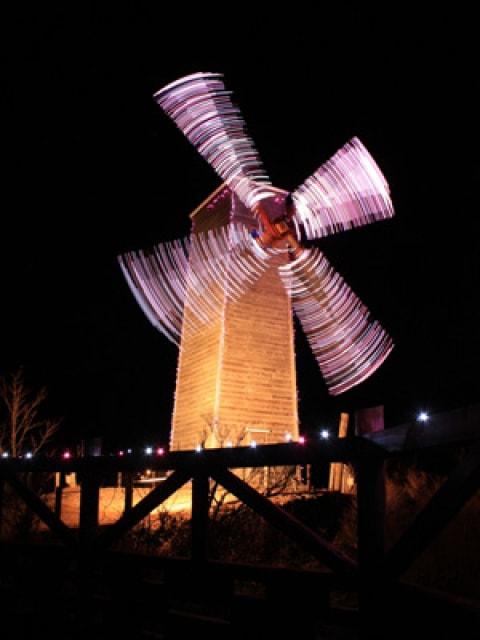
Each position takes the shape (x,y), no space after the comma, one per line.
(347,191)
(161,278)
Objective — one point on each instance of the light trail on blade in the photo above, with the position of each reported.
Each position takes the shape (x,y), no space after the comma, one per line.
(348,191)
(197,274)
(347,343)
(202,109)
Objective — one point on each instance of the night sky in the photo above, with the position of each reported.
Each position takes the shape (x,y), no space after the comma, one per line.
(93,168)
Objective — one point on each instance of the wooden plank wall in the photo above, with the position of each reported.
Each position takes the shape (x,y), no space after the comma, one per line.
(238,373)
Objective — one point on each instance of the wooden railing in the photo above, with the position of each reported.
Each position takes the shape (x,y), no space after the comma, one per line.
(373,573)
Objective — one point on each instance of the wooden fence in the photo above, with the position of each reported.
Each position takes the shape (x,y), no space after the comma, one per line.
(376,575)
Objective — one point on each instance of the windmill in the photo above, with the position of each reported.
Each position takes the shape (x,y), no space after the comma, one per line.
(265,235)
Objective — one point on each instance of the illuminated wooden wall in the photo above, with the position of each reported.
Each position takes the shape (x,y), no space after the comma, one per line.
(237,375)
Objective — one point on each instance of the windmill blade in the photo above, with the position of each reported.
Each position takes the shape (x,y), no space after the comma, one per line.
(348,191)
(182,285)
(348,345)
(161,296)
(226,256)
(201,107)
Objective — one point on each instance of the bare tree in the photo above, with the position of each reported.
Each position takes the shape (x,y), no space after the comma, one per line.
(271,482)
(221,435)
(22,430)
(21,427)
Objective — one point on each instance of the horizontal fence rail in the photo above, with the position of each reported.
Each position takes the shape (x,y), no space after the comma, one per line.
(290,454)
(453,428)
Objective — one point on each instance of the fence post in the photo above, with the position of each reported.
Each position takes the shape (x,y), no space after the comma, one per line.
(128,484)
(90,481)
(200,507)
(371,544)
(338,470)
(59,477)
(371,526)
(89,502)
(2,498)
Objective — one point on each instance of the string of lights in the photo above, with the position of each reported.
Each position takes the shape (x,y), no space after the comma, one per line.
(422,417)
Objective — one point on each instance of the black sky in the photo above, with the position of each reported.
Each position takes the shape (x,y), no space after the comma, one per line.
(93,168)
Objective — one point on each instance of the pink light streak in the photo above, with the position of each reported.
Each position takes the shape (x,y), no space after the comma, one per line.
(347,343)
(347,191)
(182,285)
(195,275)
(201,107)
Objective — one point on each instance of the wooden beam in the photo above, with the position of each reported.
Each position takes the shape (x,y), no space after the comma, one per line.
(142,508)
(58,493)
(288,454)
(459,426)
(371,514)
(370,497)
(200,507)
(371,543)
(338,470)
(58,501)
(2,498)
(461,484)
(41,509)
(285,522)
(128,483)
(89,502)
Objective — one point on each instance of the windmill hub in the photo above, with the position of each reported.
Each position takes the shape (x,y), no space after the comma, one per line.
(277,228)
